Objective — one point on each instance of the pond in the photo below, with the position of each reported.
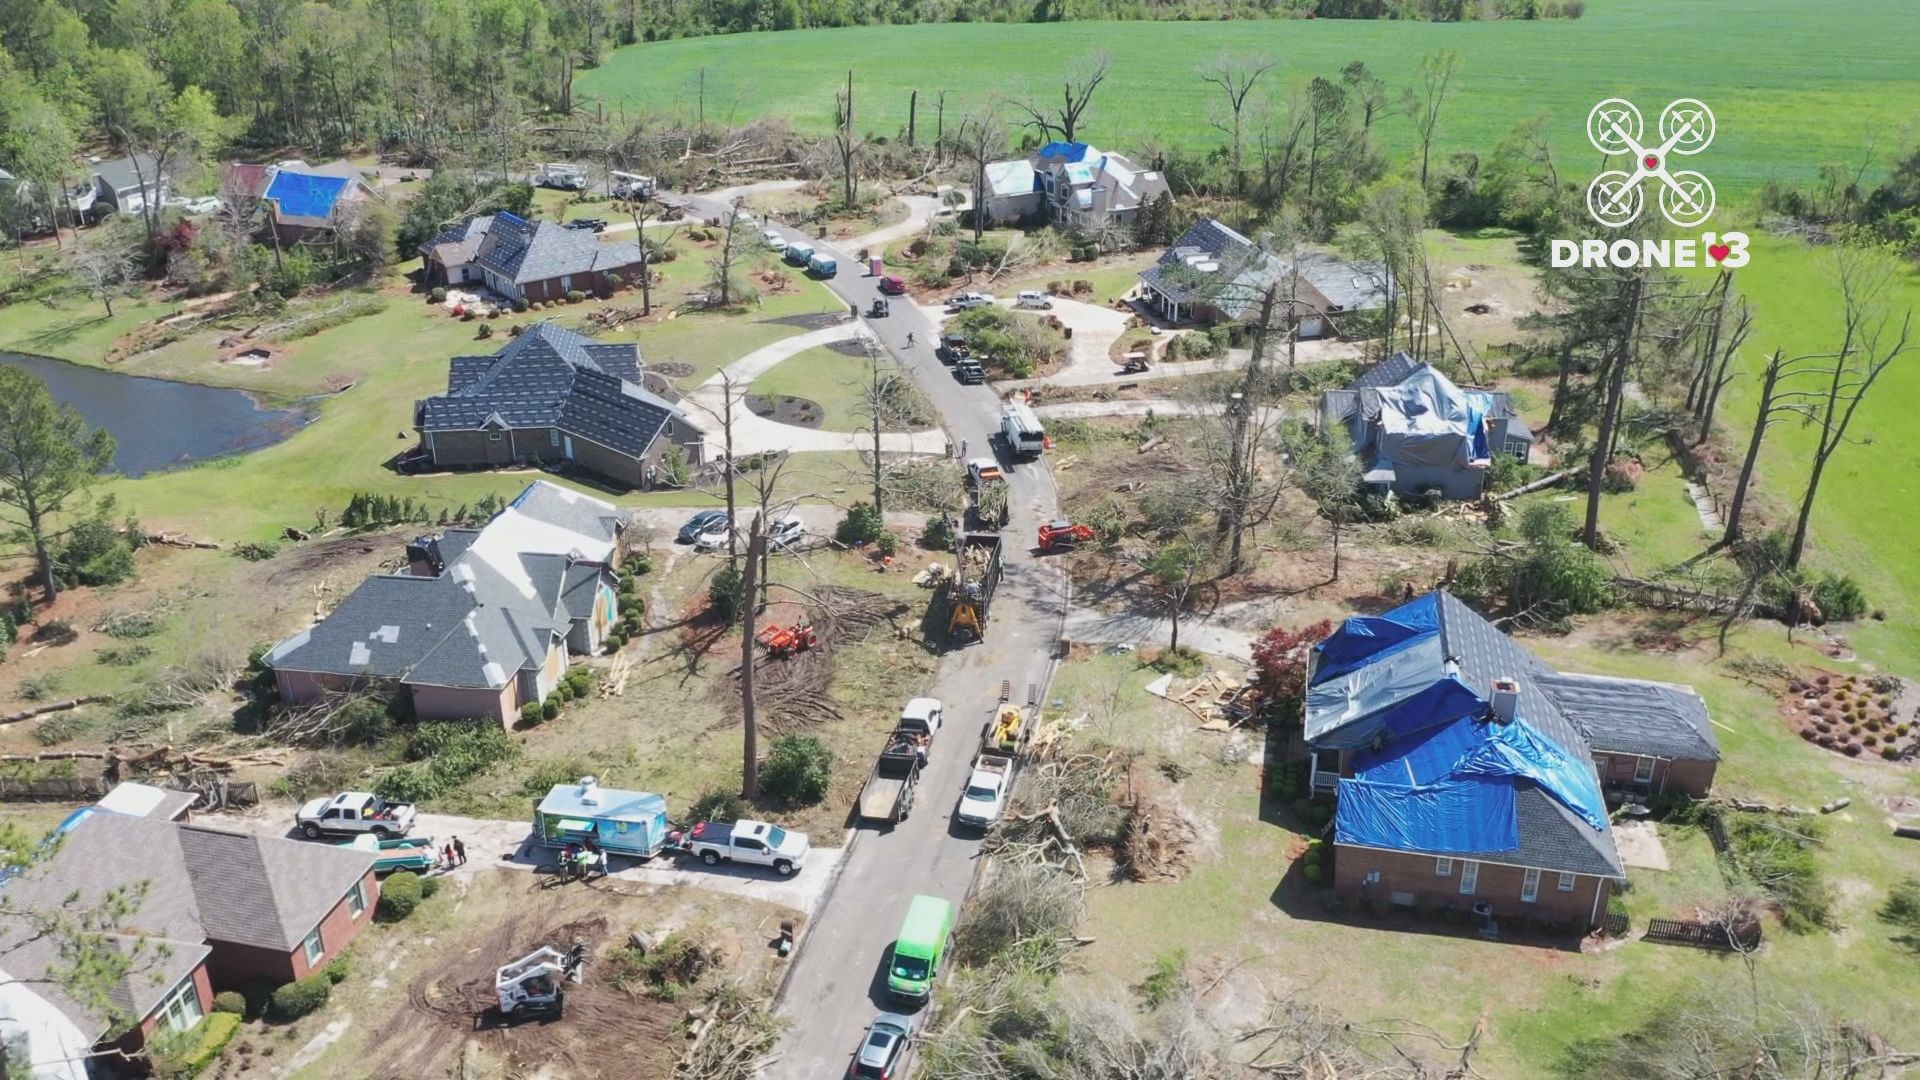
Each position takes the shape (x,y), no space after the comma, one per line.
(158,423)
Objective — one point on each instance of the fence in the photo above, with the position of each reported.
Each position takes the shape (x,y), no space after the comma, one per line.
(1700,935)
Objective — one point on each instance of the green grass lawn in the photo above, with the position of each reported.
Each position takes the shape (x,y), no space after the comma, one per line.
(1792,85)
(1112,279)
(830,379)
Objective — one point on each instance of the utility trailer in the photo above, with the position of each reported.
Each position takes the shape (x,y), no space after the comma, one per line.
(960,605)
(888,795)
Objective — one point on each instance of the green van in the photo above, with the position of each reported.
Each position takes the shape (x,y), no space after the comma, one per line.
(920,949)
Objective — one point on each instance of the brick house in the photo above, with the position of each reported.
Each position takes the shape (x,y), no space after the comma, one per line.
(215,910)
(483,621)
(1648,738)
(549,396)
(1459,782)
(527,260)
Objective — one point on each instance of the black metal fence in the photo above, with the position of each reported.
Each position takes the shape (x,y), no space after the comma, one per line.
(1716,936)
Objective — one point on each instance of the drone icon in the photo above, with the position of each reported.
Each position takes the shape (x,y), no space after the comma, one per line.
(1615,197)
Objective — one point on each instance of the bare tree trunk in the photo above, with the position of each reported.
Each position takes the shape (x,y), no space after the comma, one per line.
(913,108)
(1610,412)
(749,718)
(1760,422)
(726,426)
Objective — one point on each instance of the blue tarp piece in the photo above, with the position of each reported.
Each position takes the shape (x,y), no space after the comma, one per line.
(1070,151)
(304,195)
(1453,788)
(1364,637)
(1474,815)
(1390,699)
(1478,405)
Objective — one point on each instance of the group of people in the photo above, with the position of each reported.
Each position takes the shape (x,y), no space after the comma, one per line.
(453,854)
(582,859)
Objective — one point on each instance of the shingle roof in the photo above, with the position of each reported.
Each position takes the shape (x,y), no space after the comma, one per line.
(194,885)
(456,246)
(1631,716)
(1213,264)
(523,251)
(1338,404)
(501,599)
(120,172)
(553,378)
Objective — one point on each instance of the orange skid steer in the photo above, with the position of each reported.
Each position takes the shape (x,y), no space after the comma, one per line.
(1059,534)
(787,640)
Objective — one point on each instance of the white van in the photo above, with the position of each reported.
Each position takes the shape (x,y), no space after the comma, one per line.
(1021,428)
(774,241)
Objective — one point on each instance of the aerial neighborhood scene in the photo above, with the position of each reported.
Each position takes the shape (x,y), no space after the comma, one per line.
(1319,539)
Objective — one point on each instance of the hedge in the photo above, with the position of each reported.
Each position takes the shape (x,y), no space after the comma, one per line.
(399,895)
(230,1001)
(301,996)
(208,1038)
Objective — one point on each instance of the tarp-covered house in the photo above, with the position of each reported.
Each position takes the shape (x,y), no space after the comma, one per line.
(1214,274)
(1416,431)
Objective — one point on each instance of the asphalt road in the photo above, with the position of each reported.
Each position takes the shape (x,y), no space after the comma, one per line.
(839,978)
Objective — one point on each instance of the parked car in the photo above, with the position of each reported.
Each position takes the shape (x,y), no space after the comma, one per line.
(985,795)
(823,266)
(699,523)
(715,535)
(922,716)
(893,285)
(969,372)
(755,842)
(415,853)
(883,1051)
(631,186)
(952,347)
(775,242)
(1033,299)
(591,224)
(798,254)
(969,300)
(786,532)
(353,812)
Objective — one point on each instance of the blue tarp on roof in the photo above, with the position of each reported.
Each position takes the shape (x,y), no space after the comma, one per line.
(305,195)
(1453,788)
(1362,638)
(1069,151)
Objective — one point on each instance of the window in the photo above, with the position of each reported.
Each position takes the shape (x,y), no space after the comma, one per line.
(1566,882)
(181,1009)
(566,283)
(669,429)
(1643,771)
(314,947)
(493,436)
(553,436)
(1469,877)
(1443,867)
(1517,448)
(1530,886)
(357,899)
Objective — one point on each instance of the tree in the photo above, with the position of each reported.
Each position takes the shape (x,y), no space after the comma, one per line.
(981,138)
(1868,343)
(1721,330)
(847,142)
(48,455)
(749,704)
(104,264)
(1370,91)
(1083,76)
(1769,413)
(1329,474)
(1280,665)
(1436,75)
(179,131)
(1154,227)
(1391,234)
(884,403)
(1235,77)
(723,276)
(1175,567)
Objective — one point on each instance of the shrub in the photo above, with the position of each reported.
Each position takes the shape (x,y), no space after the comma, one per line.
(887,544)
(519,305)
(727,593)
(550,709)
(797,771)
(337,970)
(438,295)
(485,331)
(230,1001)
(302,996)
(530,713)
(428,887)
(862,525)
(95,552)
(399,895)
(580,683)
(575,296)
(442,755)
(1841,599)
(188,1053)
(1314,873)
(718,805)
(256,551)
(938,534)
(616,641)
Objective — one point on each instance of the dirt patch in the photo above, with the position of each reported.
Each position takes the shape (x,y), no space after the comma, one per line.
(325,557)
(774,283)
(672,369)
(1855,715)
(793,690)
(1159,838)
(819,320)
(786,409)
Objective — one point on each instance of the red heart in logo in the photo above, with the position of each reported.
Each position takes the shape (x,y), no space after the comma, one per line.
(1719,252)
(1652,162)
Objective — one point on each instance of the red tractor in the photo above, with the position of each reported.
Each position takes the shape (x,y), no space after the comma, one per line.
(787,640)
(1060,534)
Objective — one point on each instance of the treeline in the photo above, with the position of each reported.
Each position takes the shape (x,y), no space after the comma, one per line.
(1888,213)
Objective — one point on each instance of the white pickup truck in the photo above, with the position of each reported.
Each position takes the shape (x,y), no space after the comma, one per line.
(985,797)
(354,812)
(755,842)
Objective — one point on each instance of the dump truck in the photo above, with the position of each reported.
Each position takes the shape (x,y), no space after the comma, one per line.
(888,796)
(986,494)
(961,602)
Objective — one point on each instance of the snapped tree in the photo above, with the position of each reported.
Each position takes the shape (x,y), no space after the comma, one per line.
(48,456)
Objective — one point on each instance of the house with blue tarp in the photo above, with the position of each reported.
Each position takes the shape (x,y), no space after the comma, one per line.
(301,199)
(1416,431)
(1071,185)
(1459,779)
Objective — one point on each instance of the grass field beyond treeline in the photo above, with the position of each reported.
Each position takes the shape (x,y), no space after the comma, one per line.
(1792,84)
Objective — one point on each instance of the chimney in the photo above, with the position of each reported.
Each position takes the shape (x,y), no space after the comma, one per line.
(589,791)
(1506,698)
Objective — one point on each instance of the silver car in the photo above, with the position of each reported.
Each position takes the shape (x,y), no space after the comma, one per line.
(883,1052)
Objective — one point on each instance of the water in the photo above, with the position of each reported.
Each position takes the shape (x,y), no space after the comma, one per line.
(158,423)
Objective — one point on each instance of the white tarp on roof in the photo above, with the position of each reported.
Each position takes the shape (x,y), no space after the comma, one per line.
(42,1042)
(1427,420)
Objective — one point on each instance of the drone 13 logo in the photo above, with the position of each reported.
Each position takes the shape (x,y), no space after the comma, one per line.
(1617,197)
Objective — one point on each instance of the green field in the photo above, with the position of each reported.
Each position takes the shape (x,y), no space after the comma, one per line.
(1792,84)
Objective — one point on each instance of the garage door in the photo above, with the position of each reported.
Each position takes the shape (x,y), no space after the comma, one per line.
(1313,326)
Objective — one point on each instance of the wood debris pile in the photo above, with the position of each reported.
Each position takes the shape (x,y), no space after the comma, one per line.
(1218,700)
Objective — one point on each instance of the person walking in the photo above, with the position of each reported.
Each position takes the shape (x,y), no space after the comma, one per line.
(460,851)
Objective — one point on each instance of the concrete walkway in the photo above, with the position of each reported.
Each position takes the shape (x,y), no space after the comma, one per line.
(1202,634)
(1082,410)
(919,211)
(757,434)
(511,845)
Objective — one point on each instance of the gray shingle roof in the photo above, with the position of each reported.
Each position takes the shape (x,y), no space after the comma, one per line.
(550,377)
(196,885)
(1630,716)
(523,251)
(1211,263)
(571,510)
(121,173)
(1339,405)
